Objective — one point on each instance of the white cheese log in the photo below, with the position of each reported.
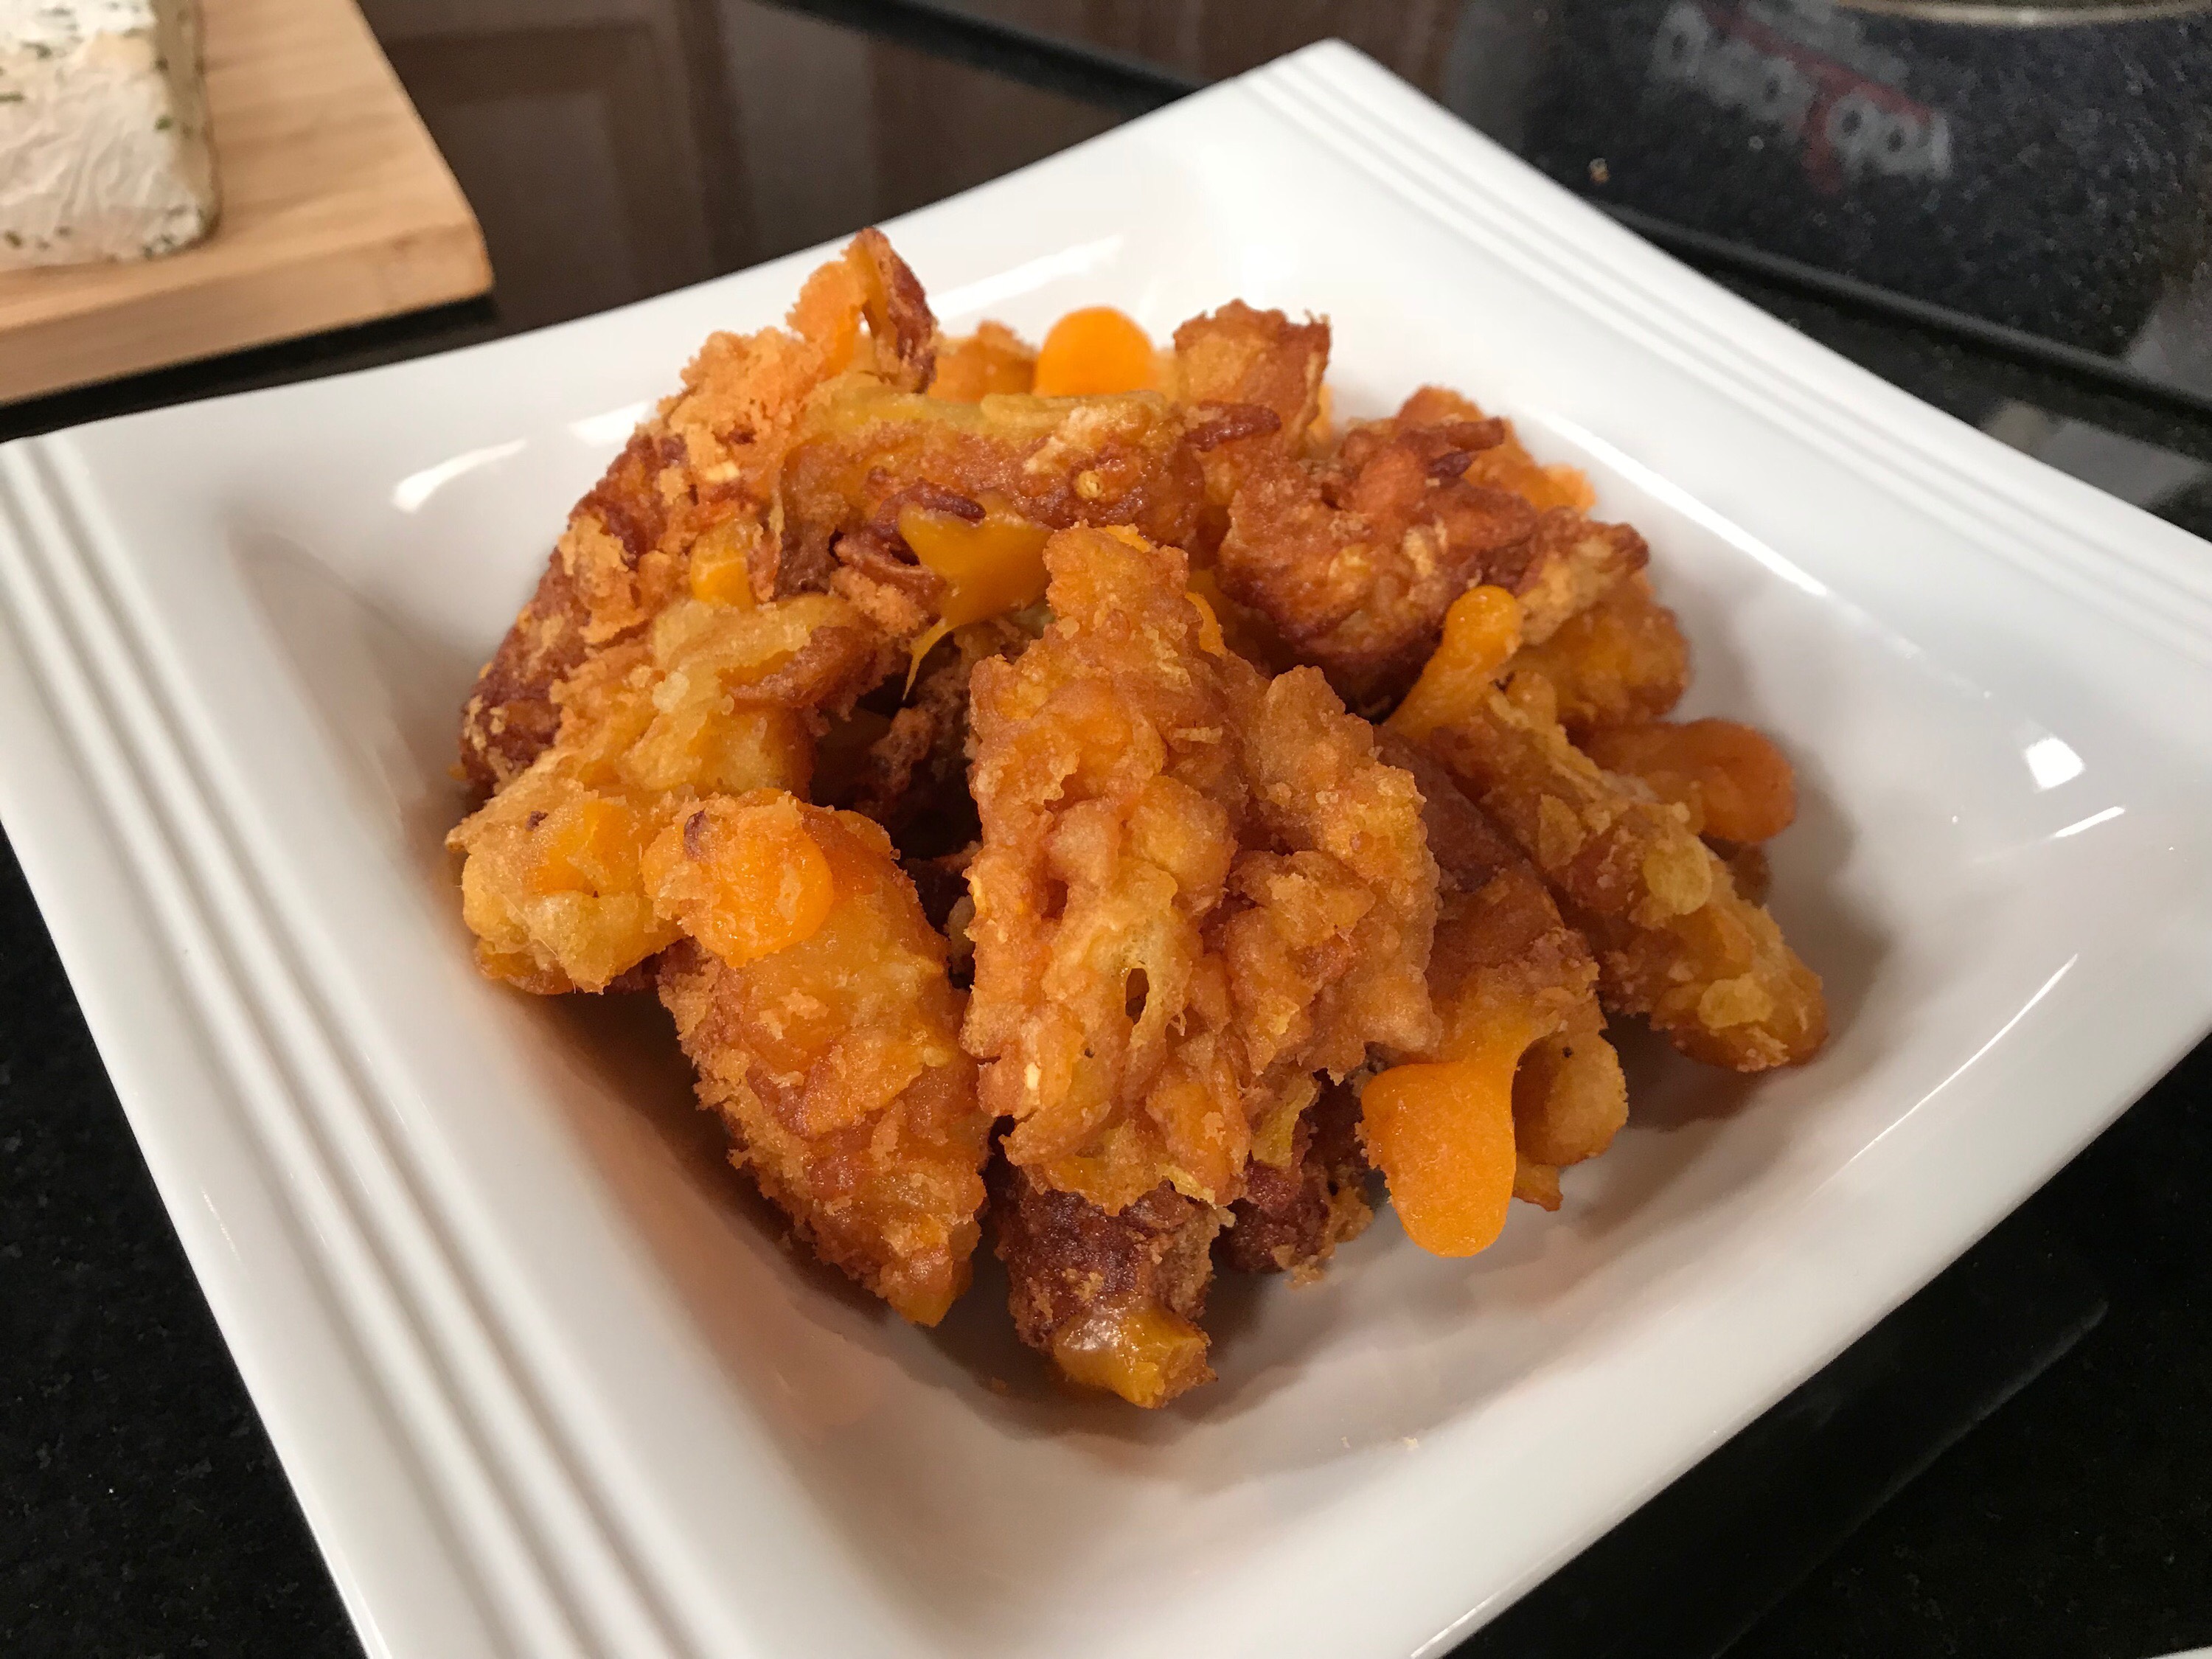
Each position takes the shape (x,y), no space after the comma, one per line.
(103,148)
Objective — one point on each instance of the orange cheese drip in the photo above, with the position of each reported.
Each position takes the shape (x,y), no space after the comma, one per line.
(987,567)
(1481,630)
(1144,1352)
(1442,1133)
(1095,351)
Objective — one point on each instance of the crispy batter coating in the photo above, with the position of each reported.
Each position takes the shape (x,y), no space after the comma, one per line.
(869,284)
(834,1059)
(1504,954)
(868,452)
(1731,779)
(1675,942)
(1291,1218)
(1322,797)
(1114,1299)
(549,884)
(710,699)
(1228,943)
(1506,465)
(702,468)
(1238,355)
(1504,951)
(1565,567)
(993,359)
(917,768)
(1197,888)
(1355,557)
(1248,359)
(1621,662)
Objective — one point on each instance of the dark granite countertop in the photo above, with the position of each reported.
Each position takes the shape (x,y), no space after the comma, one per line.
(2016,1462)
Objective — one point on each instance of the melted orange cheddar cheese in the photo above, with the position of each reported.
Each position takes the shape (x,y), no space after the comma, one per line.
(988,567)
(719,572)
(1442,1133)
(1142,1351)
(1481,630)
(590,845)
(1094,351)
(743,877)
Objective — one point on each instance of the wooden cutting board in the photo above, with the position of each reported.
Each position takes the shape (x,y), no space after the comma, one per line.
(337,207)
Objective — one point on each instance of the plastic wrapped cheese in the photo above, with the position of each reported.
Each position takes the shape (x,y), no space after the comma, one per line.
(104,151)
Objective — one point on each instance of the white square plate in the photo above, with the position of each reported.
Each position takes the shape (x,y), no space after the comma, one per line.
(544,1379)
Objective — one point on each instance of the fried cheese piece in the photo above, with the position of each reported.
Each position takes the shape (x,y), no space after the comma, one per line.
(1114,1299)
(875,468)
(1735,783)
(1675,942)
(917,768)
(1574,561)
(1244,357)
(1517,991)
(690,503)
(1196,888)
(811,996)
(993,359)
(1096,350)
(1506,465)
(1622,662)
(1291,1219)
(709,699)
(1354,557)
(550,882)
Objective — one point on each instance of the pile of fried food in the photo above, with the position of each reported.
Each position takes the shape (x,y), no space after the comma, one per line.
(1088,785)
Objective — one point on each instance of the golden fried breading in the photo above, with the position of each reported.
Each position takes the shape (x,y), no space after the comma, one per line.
(1676,943)
(549,884)
(1620,662)
(1243,629)
(1355,557)
(1504,960)
(1469,848)
(1524,1070)
(699,477)
(1114,1299)
(1078,624)
(1565,567)
(812,997)
(710,699)
(869,457)
(1731,779)
(1196,888)
(1506,465)
(993,359)
(1238,357)
(1329,807)
(869,284)
(1291,1220)
(918,767)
